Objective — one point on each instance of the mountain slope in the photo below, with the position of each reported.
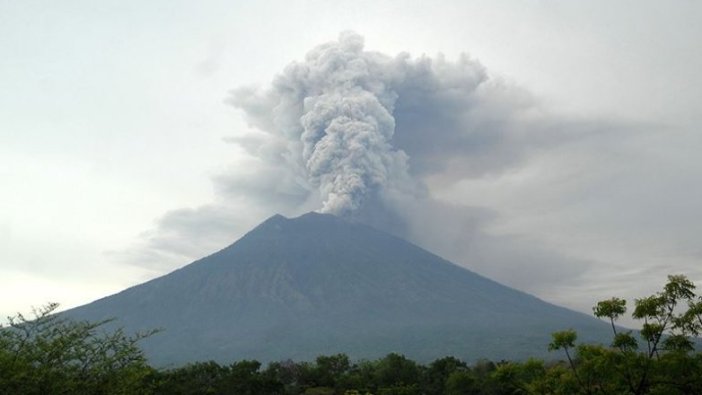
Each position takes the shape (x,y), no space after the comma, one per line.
(317,284)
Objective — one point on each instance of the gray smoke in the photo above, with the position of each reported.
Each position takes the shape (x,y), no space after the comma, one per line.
(335,111)
(356,127)
(371,137)
(458,161)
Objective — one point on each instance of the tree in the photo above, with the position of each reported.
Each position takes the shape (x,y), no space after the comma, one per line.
(666,363)
(461,382)
(396,374)
(50,354)
(196,378)
(330,369)
(245,378)
(520,378)
(438,372)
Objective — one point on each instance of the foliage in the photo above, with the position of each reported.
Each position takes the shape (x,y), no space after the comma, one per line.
(48,354)
(51,355)
(665,362)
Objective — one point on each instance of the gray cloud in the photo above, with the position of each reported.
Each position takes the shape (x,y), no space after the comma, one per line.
(334,112)
(358,130)
(358,134)
(353,122)
(182,235)
(444,154)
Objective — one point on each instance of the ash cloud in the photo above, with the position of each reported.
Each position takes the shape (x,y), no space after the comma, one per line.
(334,112)
(360,130)
(369,136)
(354,123)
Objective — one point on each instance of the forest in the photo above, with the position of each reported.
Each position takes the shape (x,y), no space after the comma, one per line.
(48,354)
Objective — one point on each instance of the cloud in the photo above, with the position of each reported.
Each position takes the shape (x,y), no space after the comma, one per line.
(358,130)
(355,123)
(450,157)
(359,134)
(331,119)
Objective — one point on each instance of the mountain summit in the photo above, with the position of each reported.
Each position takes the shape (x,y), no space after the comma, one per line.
(318,284)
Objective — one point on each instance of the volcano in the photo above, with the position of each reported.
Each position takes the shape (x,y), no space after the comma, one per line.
(318,284)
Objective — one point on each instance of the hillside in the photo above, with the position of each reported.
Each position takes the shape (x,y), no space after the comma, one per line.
(317,284)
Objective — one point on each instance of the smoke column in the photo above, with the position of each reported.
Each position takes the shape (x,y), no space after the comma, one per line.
(343,121)
(382,140)
(360,133)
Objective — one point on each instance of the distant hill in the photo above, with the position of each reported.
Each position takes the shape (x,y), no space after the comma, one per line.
(318,284)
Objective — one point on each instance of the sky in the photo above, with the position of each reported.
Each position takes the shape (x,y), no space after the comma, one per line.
(551,146)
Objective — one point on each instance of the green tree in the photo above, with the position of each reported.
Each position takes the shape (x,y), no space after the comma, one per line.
(461,382)
(245,378)
(50,354)
(438,372)
(396,374)
(666,363)
(196,378)
(520,378)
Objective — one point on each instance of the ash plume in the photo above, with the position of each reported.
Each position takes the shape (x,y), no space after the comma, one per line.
(373,138)
(358,128)
(335,111)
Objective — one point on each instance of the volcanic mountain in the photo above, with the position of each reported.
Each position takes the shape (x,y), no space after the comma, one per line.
(317,284)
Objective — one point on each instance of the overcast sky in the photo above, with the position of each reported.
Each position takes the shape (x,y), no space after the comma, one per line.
(554,146)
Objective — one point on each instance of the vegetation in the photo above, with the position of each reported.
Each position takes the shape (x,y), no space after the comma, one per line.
(663,361)
(49,355)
